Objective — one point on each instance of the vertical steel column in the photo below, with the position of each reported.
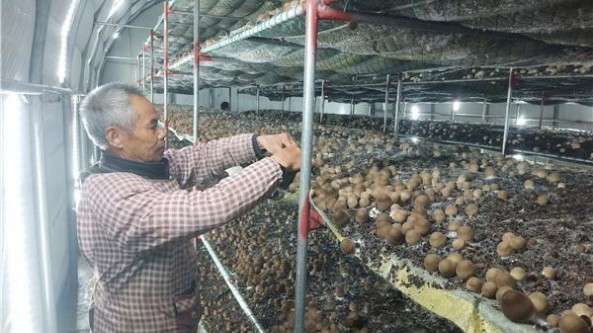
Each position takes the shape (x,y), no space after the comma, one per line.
(143,69)
(289,103)
(230,98)
(322,100)
(152,66)
(137,70)
(385,105)
(508,113)
(398,97)
(484,111)
(541,112)
(306,146)
(165,62)
(257,102)
(352,106)
(518,114)
(452,113)
(196,68)
(282,99)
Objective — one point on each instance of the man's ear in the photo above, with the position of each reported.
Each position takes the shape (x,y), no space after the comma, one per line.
(114,136)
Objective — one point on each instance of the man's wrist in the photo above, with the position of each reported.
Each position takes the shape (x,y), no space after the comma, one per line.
(257,148)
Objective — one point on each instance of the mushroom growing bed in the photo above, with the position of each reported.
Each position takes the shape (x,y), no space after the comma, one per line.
(458,206)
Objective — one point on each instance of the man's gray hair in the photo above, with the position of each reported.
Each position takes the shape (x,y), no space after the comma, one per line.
(106,106)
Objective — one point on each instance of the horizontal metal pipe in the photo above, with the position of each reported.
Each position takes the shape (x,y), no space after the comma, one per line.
(26,88)
(122,25)
(229,281)
(245,33)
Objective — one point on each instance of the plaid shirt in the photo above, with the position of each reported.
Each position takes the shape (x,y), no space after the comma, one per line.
(136,233)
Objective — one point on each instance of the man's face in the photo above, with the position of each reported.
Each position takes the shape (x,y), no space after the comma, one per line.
(145,142)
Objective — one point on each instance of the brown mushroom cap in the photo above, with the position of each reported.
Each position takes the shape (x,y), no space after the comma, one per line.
(540,303)
(447,268)
(518,273)
(517,306)
(489,289)
(437,239)
(431,262)
(588,290)
(465,269)
(458,244)
(571,323)
(549,272)
(517,243)
(474,284)
(504,249)
(491,274)
(347,246)
(504,279)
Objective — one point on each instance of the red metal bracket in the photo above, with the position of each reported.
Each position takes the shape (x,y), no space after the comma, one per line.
(326,13)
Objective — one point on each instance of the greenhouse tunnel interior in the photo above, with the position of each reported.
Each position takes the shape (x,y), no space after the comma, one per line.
(477,68)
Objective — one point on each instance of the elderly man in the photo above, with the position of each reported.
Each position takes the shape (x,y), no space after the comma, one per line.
(141,206)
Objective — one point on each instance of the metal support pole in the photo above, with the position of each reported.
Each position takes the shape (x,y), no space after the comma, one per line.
(517,114)
(322,100)
(306,146)
(508,113)
(282,99)
(230,98)
(385,104)
(452,113)
(143,69)
(152,66)
(485,108)
(352,106)
(555,116)
(289,103)
(257,102)
(405,109)
(541,112)
(432,111)
(165,63)
(137,70)
(196,69)
(397,104)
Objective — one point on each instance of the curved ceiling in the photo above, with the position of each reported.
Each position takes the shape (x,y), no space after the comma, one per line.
(441,50)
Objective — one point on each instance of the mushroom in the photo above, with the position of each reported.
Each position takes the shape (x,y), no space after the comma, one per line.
(518,273)
(571,323)
(431,262)
(517,243)
(491,274)
(437,239)
(465,269)
(458,244)
(540,303)
(347,246)
(438,215)
(471,210)
(549,272)
(529,184)
(465,233)
(542,199)
(588,290)
(474,284)
(517,306)
(504,279)
(489,289)
(553,319)
(447,268)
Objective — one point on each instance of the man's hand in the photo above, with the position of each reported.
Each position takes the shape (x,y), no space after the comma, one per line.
(274,142)
(288,157)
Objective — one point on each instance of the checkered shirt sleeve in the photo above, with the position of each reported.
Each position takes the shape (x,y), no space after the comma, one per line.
(136,233)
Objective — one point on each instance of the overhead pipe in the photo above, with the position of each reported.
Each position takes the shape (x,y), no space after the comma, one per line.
(397,105)
(385,104)
(311,21)
(507,113)
(246,33)
(166,62)
(196,69)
